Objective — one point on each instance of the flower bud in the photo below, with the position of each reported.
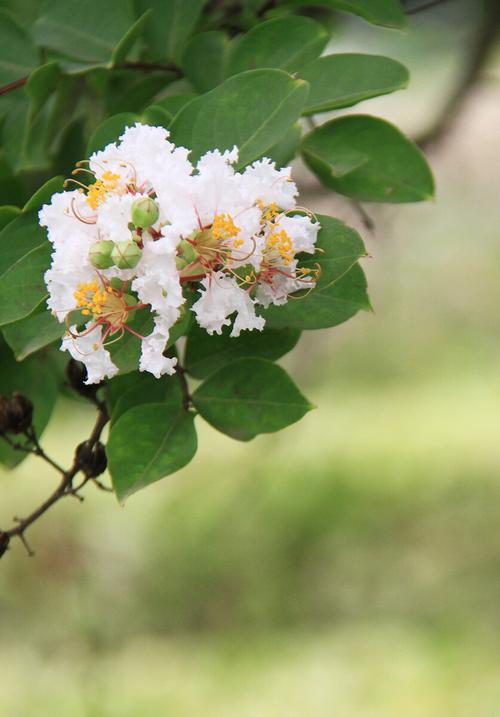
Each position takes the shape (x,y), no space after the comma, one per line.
(126,254)
(100,254)
(145,212)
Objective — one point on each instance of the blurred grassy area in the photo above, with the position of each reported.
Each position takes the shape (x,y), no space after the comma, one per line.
(350,564)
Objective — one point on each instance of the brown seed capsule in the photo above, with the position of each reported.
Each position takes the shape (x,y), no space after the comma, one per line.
(4,543)
(19,413)
(91,459)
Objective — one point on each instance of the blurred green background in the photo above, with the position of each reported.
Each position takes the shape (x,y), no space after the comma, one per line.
(348,566)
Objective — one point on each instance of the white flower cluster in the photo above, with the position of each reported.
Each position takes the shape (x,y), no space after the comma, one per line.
(150,230)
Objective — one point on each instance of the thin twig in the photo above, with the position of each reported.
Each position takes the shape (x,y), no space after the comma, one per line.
(425,6)
(65,485)
(13,85)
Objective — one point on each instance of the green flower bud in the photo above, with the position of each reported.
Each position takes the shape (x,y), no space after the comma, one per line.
(126,254)
(187,251)
(100,254)
(145,212)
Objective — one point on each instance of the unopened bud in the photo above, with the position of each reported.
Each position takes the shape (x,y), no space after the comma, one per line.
(100,254)
(145,212)
(126,254)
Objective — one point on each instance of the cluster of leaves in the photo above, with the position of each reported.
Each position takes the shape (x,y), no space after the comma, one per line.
(216,74)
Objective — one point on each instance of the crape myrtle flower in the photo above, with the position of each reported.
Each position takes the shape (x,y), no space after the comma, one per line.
(145,227)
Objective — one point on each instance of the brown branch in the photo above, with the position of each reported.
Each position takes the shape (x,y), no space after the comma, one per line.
(152,66)
(64,488)
(186,396)
(13,85)
(144,66)
(425,6)
(485,41)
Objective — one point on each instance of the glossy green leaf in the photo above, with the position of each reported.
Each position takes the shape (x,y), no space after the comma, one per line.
(43,195)
(42,81)
(36,331)
(126,352)
(24,258)
(149,442)
(248,397)
(205,58)
(285,150)
(157,116)
(169,25)
(339,248)
(145,388)
(252,111)
(206,354)
(89,31)
(125,44)
(110,130)
(18,54)
(287,43)
(35,379)
(338,81)
(379,12)
(327,307)
(341,290)
(368,159)
(7,214)
(174,103)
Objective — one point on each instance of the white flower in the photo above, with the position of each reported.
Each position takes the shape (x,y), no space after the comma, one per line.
(221,298)
(89,349)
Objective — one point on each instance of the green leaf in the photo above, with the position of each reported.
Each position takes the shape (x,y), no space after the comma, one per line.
(110,130)
(174,103)
(205,58)
(90,31)
(156,115)
(7,214)
(339,248)
(126,352)
(170,24)
(36,331)
(379,12)
(324,308)
(149,442)
(341,289)
(287,43)
(42,81)
(248,397)
(206,354)
(24,258)
(125,44)
(148,389)
(252,111)
(367,158)
(285,150)
(340,81)
(43,195)
(18,54)
(36,380)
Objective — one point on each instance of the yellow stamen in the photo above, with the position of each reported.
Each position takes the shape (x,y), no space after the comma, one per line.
(224,227)
(280,242)
(98,191)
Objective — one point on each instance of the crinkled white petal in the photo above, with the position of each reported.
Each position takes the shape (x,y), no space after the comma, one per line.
(90,350)
(302,230)
(153,346)
(262,181)
(70,238)
(221,298)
